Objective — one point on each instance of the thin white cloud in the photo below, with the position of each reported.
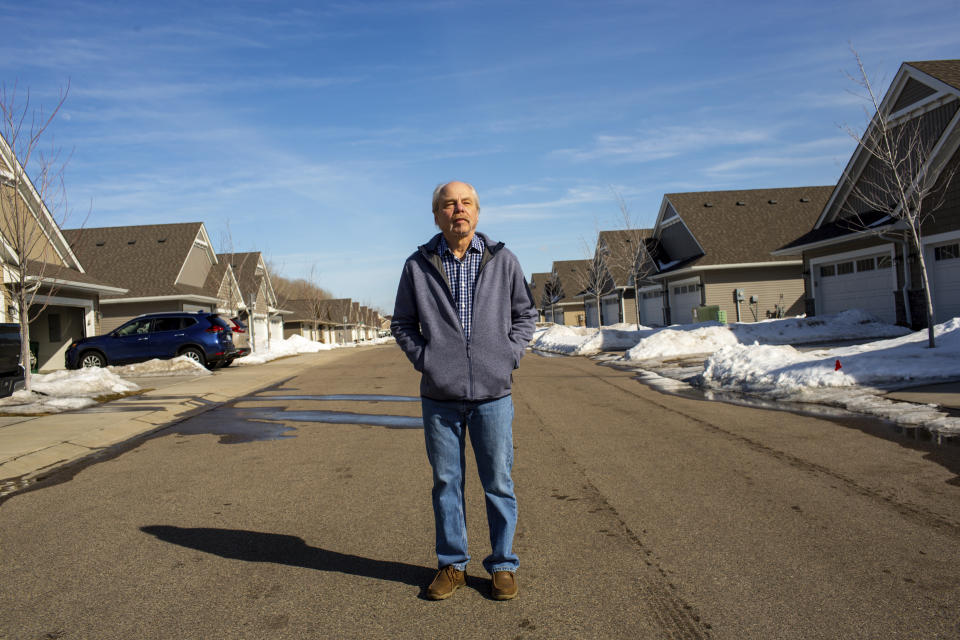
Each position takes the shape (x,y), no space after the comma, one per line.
(665,142)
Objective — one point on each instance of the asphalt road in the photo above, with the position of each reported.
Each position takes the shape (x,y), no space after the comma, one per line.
(641,516)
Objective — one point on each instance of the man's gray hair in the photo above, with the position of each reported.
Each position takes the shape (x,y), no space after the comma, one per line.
(436,195)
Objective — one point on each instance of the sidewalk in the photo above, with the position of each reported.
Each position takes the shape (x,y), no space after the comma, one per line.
(946,395)
(31,446)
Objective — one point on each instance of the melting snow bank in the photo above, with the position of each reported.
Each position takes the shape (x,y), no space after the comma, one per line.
(298,344)
(853,377)
(756,360)
(65,391)
(645,343)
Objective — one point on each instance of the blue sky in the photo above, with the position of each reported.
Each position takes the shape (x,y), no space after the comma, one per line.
(315,132)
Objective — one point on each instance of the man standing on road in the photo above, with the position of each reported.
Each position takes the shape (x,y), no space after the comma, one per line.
(464,316)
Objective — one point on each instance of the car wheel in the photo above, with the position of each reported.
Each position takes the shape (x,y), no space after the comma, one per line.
(92,359)
(194,354)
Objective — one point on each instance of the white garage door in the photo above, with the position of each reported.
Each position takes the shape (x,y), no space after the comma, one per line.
(651,308)
(260,334)
(683,299)
(945,280)
(611,310)
(865,283)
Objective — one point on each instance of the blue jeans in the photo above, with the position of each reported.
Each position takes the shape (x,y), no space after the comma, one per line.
(490,425)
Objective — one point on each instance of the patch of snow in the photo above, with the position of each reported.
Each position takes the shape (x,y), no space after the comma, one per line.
(760,359)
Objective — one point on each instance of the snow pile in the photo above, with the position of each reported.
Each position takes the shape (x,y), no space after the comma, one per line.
(581,341)
(65,391)
(296,344)
(645,343)
(708,337)
(179,366)
(782,371)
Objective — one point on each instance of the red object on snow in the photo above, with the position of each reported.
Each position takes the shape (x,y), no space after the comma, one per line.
(837,366)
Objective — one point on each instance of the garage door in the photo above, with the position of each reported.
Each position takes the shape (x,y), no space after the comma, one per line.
(651,308)
(683,299)
(865,283)
(590,309)
(945,280)
(611,310)
(260,334)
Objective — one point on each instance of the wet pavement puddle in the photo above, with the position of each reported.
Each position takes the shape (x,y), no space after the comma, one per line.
(235,424)
(355,397)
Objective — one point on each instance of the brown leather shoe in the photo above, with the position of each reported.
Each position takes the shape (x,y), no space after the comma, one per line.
(448,580)
(503,586)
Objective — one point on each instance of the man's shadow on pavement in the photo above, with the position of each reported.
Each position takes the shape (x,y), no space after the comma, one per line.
(254,546)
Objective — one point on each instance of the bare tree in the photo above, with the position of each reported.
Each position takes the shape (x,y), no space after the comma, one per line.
(552,294)
(31,186)
(594,279)
(901,179)
(632,256)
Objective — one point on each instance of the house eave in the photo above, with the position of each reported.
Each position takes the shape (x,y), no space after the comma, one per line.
(725,267)
(80,286)
(187,298)
(829,242)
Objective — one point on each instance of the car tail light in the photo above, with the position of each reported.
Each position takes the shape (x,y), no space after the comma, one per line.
(237,329)
(214,328)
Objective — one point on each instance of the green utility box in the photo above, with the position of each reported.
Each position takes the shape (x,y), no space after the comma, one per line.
(707,313)
(722,316)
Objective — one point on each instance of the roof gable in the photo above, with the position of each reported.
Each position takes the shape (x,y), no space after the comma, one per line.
(145,259)
(10,170)
(923,100)
(741,227)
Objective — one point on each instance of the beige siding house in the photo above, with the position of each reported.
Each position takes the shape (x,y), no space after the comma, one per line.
(63,296)
(621,252)
(261,311)
(714,248)
(163,267)
(858,257)
(566,284)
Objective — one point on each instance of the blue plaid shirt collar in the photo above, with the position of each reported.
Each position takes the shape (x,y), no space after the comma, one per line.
(462,277)
(476,245)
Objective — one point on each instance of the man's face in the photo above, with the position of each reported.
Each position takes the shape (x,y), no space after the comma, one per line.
(457,211)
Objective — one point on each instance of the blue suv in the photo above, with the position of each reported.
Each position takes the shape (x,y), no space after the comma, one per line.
(203,336)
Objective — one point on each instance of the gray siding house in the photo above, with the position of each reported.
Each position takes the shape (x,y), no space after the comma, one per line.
(857,257)
(709,245)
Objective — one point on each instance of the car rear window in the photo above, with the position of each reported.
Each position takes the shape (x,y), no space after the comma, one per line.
(217,320)
(167,324)
(188,322)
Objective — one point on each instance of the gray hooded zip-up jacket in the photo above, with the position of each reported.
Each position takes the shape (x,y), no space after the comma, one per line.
(427,327)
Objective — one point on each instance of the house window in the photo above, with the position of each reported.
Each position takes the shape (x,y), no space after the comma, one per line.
(865,264)
(884,262)
(947,252)
(827,270)
(53,324)
(844,268)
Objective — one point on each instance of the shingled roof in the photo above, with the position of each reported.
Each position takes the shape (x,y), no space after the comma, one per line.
(144,259)
(744,226)
(621,251)
(947,71)
(244,270)
(571,274)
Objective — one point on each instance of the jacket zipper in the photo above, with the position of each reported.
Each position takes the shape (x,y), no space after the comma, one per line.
(453,303)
